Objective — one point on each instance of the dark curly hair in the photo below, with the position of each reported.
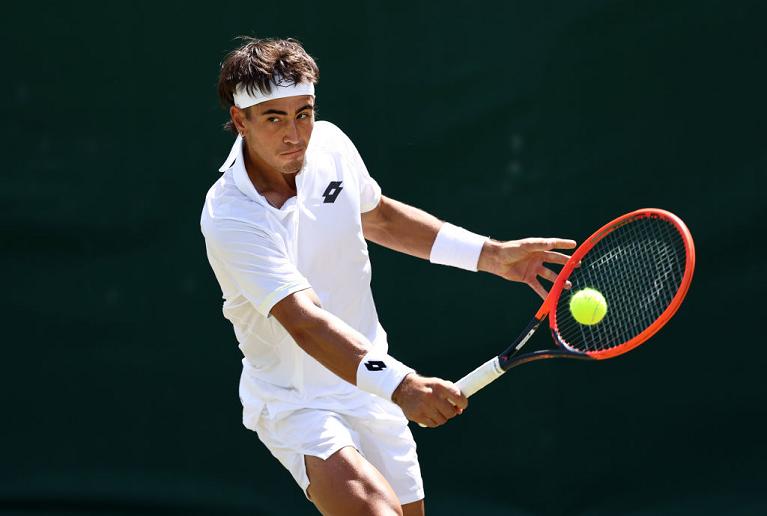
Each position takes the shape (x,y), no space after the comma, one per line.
(258,63)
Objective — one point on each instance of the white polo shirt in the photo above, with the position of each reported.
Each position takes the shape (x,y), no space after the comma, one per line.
(261,254)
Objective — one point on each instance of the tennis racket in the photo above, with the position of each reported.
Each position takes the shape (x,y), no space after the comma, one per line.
(642,263)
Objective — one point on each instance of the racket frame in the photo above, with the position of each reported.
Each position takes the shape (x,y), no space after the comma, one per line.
(553,298)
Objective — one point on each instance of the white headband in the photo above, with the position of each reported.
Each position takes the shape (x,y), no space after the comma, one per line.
(243,99)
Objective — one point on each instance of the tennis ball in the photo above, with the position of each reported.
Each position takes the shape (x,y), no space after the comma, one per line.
(588,306)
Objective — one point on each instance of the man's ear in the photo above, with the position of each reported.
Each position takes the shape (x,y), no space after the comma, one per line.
(238,118)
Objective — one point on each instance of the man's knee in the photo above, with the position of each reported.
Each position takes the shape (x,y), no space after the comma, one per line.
(364,498)
(346,483)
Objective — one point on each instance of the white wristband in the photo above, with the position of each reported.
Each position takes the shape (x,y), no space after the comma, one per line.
(380,374)
(457,247)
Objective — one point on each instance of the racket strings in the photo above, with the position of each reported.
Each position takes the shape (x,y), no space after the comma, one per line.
(638,268)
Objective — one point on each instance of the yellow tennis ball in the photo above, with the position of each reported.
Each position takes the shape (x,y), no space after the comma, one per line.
(588,306)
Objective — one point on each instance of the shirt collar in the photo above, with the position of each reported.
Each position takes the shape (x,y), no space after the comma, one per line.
(236,162)
(235,153)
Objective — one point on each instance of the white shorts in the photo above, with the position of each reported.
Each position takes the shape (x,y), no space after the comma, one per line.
(386,443)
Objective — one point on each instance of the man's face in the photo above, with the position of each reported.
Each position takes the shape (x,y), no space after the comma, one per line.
(277,132)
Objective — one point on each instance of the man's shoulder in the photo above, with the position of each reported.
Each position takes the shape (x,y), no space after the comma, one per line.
(328,136)
(226,206)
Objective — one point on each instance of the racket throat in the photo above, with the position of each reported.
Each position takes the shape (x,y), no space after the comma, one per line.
(505,359)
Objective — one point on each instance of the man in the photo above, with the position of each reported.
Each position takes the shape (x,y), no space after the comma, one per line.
(286,229)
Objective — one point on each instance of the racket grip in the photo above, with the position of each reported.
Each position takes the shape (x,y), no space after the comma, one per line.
(480,377)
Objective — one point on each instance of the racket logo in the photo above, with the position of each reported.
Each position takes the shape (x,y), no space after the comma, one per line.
(332,191)
(526,338)
(375,365)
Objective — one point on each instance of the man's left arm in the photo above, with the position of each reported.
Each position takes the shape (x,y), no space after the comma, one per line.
(412,231)
(400,227)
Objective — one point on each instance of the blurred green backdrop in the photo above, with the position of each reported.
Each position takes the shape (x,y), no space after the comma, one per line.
(119,374)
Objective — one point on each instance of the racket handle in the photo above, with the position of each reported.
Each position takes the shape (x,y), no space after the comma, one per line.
(480,377)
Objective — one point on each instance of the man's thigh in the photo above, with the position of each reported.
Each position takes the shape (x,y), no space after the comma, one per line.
(347,484)
(414,509)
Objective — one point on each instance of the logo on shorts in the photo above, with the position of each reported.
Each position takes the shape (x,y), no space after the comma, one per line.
(375,365)
(332,191)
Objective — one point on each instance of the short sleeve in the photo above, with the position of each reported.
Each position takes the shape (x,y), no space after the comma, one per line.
(370,192)
(257,263)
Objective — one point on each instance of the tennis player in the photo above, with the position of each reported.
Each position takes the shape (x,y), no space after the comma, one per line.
(285,228)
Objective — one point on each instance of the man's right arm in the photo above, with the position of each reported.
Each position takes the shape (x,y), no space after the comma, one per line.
(340,348)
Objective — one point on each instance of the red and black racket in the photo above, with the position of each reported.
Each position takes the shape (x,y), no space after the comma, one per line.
(642,263)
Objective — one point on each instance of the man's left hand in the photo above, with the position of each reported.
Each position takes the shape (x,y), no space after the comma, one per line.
(523,260)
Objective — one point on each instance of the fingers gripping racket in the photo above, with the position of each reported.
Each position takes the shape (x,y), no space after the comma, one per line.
(642,263)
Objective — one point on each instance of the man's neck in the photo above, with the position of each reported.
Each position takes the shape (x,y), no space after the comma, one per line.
(274,185)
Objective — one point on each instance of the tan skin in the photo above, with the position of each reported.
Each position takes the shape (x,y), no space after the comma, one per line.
(277,134)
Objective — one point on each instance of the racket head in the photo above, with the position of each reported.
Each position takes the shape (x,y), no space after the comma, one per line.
(643,264)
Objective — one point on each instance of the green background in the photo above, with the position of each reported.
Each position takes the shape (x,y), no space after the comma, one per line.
(119,373)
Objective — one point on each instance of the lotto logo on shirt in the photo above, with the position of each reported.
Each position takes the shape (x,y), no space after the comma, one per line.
(332,191)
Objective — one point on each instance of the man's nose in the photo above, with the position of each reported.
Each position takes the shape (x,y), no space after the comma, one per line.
(291,133)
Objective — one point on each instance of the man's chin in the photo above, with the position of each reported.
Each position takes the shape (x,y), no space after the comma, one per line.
(293,166)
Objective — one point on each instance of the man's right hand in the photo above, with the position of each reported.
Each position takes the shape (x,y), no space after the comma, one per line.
(429,401)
